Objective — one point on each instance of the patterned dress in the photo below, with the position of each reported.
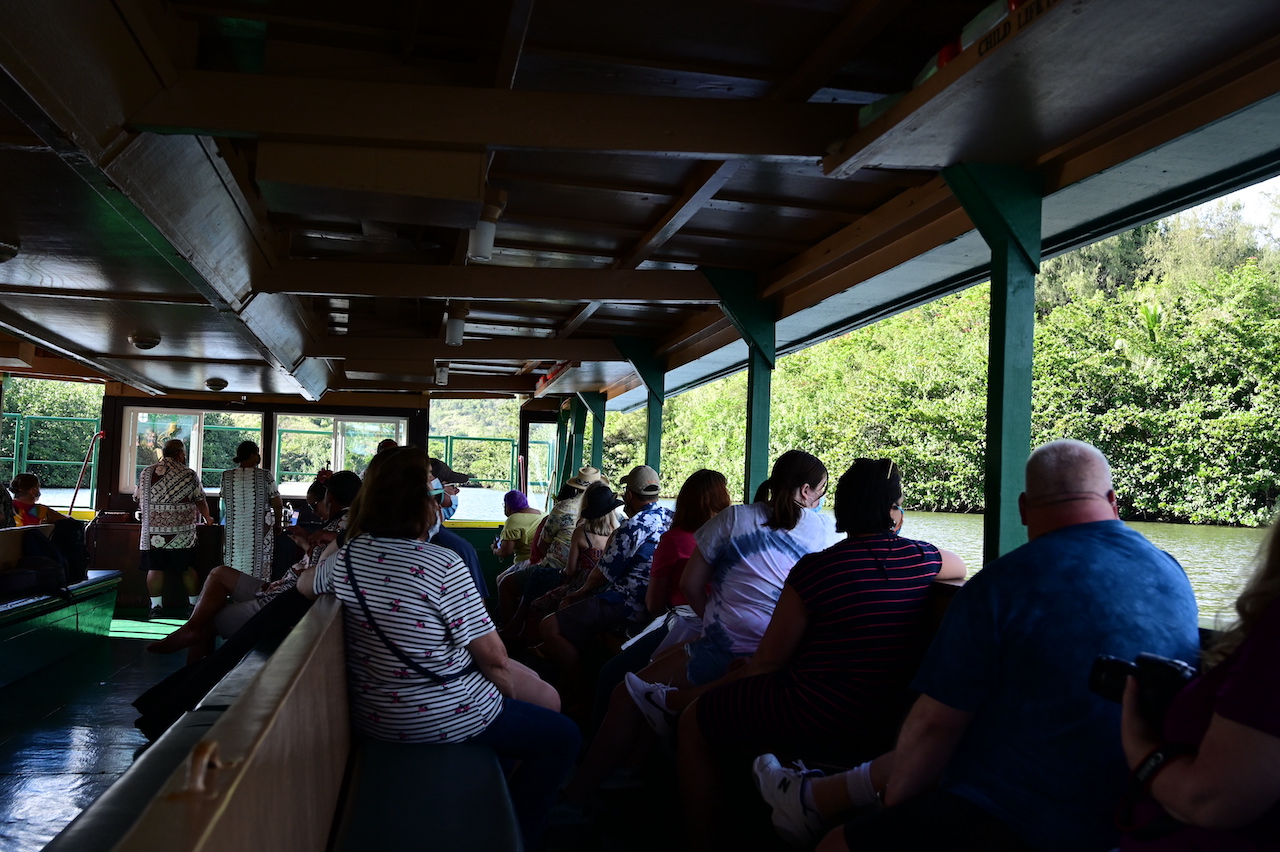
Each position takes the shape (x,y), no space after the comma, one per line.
(168,492)
(246,507)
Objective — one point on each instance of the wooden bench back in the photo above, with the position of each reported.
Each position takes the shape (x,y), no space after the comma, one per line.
(283,747)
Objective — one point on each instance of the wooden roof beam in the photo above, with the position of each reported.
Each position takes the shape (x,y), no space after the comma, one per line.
(457,382)
(211,103)
(409,350)
(858,28)
(480,283)
(513,43)
(707,180)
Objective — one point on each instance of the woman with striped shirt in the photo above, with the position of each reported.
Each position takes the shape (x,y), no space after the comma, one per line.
(830,677)
(424,663)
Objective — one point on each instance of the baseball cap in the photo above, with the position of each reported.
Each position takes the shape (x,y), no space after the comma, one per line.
(642,481)
(446,474)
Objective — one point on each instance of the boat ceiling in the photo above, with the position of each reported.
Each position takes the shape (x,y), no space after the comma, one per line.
(277,195)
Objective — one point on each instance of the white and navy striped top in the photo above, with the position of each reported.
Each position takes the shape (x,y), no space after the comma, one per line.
(423,598)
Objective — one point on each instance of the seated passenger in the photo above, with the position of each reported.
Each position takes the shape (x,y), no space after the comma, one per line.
(599,518)
(230,597)
(753,549)
(27,508)
(611,600)
(830,678)
(1007,748)
(424,664)
(548,550)
(516,536)
(1211,778)
(447,481)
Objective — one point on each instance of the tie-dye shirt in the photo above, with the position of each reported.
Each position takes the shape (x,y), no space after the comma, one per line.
(749,563)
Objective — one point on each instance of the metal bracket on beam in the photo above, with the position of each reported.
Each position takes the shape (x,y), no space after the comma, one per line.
(1004,203)
(651,369)
(754,318)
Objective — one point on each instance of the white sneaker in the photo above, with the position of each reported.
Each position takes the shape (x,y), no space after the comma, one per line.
(782,788)
(651,698)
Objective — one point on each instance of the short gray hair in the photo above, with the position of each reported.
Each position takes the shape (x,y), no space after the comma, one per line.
(1067,467)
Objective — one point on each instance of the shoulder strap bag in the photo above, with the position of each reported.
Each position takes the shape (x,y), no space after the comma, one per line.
(435,678)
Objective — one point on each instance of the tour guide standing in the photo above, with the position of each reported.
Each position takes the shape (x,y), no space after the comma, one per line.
(248,491)
(172,501)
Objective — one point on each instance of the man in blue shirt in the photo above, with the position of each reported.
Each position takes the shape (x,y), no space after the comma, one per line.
(1006,747)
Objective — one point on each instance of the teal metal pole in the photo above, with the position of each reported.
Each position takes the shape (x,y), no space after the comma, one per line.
(578,417)
(759,388)
(653,433)
(1005,205)
(594,401)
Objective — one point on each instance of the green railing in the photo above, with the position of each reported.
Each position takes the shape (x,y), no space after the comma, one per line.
(299,475)
(21,428)
(450,455)
(218,470)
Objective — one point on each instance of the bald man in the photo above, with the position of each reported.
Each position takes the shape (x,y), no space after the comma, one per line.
(1006,748)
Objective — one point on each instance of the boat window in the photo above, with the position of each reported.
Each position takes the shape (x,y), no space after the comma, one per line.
(211,438)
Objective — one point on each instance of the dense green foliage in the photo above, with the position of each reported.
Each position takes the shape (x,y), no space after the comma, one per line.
(48,441)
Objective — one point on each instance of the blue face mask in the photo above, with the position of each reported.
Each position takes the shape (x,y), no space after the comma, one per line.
(818,508)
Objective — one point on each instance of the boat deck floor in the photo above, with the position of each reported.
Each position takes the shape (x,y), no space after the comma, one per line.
(66,734)
(66,731)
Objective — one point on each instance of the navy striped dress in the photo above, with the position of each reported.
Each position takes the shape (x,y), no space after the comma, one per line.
(846,686)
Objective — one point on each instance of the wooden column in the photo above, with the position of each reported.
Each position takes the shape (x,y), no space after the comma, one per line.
(653,372)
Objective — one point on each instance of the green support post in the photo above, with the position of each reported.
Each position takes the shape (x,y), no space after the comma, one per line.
(594,402)
(1005,203)
(756,320)
(653,372)
(563,451)
(653,432)
(578,423)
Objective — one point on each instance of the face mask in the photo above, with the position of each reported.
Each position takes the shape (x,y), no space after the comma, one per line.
(818,508)
(436,487)
(435,528)
(448,511)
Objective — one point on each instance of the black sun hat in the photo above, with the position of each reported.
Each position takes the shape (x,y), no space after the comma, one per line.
(599,502)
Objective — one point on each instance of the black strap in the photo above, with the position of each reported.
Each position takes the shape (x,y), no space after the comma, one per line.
(438,679)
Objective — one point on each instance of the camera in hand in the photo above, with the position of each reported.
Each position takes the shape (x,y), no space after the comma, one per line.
(1159,680)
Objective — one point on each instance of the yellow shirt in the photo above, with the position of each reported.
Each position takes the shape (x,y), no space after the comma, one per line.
(519,528)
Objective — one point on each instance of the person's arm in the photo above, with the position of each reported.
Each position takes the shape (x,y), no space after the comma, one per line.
(202,506)
(513,679)
(52,515)
(655,596)
(277,506)
(504,548)
(1233,779)
(953,567)
(781,638)
(929,737)
(693,582)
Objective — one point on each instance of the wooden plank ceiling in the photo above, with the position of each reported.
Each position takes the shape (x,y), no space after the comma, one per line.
(278,194)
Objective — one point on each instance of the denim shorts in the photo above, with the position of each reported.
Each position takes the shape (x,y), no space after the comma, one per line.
(708,660)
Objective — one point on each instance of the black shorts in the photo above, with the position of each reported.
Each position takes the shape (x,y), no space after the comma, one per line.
(933,820)
(167,559)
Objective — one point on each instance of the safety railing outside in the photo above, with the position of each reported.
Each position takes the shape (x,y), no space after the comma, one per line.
(56,474)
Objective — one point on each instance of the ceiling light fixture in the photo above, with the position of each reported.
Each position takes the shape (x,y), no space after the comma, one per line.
(480,240)
(456,325)
(442,373)
(8,250)
(145,340)
(215,384)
